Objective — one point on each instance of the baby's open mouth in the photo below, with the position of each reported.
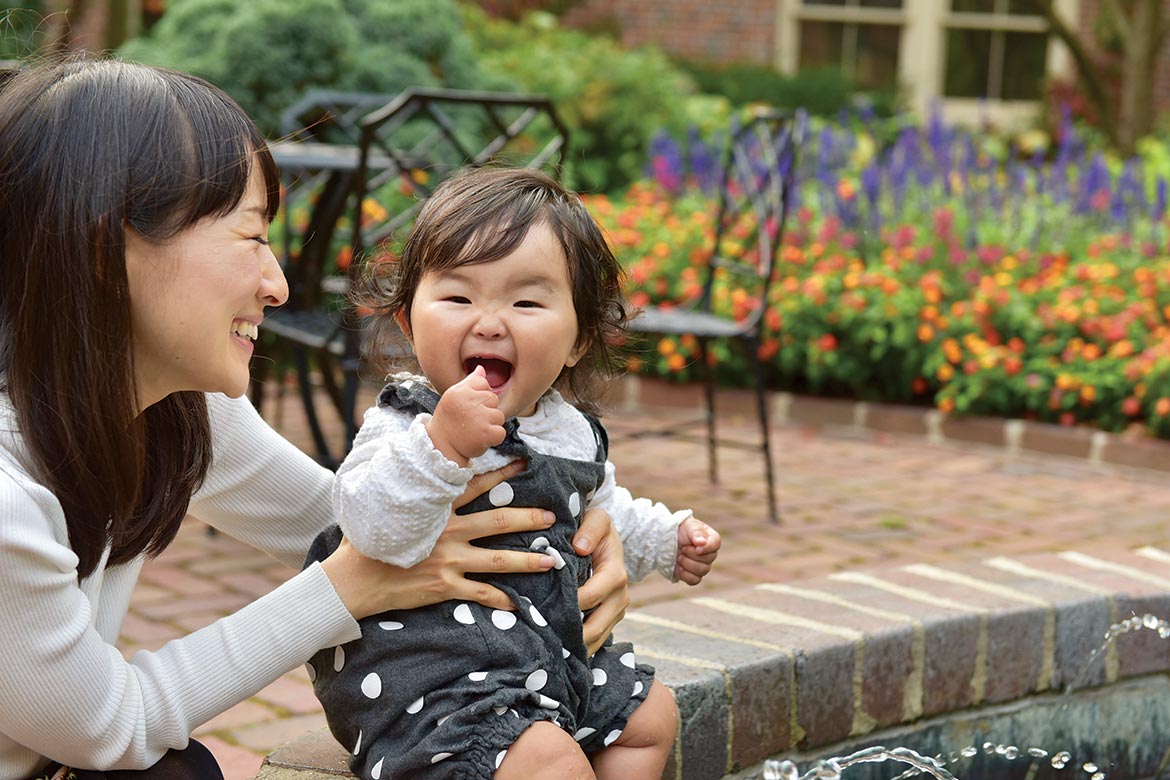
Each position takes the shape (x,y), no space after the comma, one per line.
(497,371)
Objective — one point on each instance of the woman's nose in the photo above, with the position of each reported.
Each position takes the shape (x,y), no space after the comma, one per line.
(273,285)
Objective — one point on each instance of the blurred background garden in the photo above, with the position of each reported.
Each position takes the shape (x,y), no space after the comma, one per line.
(979,220)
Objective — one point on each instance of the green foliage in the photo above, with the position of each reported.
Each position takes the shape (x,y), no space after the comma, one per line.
(21,28)
(612,99)
(268,53)
(821,92)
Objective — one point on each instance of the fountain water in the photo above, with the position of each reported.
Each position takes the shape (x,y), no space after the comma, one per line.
(936,766)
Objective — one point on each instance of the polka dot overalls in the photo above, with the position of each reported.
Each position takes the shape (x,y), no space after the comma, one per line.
(443,691)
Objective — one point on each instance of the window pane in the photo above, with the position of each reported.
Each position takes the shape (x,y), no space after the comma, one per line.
(820,44)
(968,63)
(877,56)
(1021,8)
(824,2)
(973,6)
(881,3)
(1025,55)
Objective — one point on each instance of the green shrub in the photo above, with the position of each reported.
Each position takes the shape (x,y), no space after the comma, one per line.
(821,92)
(269,53)
(612,99)
(21,28)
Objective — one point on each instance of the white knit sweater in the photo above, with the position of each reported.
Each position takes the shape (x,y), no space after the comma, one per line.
(66,693)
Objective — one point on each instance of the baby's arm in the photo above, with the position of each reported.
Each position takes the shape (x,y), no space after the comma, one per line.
(393,494)
(467,420)
(656,539)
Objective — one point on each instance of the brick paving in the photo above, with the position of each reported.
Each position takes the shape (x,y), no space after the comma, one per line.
(850,500)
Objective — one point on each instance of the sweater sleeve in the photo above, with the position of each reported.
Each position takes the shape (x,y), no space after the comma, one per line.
(68,694)
(393,493)
(649,530)
(261,489)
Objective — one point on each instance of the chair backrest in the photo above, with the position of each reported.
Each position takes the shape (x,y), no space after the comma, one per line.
(330,116)
(424,135)
(755,195)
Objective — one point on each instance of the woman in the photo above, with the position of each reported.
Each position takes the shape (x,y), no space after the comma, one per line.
(134,269)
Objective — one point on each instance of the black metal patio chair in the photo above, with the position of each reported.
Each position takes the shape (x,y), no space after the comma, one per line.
(754,199)
(409,143)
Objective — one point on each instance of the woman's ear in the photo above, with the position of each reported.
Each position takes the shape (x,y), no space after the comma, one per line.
(404,323)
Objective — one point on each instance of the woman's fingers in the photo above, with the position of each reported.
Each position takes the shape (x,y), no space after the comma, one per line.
(482,483)
(504,520)
(601,622)
(607,591)
(595,526)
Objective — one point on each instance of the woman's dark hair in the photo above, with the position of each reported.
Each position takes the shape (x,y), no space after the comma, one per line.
(483,214)
(88,149)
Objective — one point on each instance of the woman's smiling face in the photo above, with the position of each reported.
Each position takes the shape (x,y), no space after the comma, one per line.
(197,298)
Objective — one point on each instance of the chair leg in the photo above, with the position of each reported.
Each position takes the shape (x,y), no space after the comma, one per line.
(349,402)
(765,433)
(306,388)
(709,397)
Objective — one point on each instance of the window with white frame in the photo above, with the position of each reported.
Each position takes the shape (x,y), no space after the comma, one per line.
(862,37)
(995,49)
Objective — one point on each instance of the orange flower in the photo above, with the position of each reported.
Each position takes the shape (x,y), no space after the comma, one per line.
(1162,408)
(1088,395)
(925,333)
(946,405)
(344,257)
(667,347)
(676,362)
(1131,406)
(945,372)
(827,343)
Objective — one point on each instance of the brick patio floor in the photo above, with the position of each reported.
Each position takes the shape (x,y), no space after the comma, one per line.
(848,501)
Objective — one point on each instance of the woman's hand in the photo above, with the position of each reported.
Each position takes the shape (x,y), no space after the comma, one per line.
(368,586)
(607,592)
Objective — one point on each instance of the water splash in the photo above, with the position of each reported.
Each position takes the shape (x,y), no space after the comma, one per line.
(1133,623)
(831,768)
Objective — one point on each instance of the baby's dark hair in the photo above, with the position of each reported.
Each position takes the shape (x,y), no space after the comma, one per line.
(483,214)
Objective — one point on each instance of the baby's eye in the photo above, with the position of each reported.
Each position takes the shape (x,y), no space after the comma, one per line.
(457,299)
(527,305)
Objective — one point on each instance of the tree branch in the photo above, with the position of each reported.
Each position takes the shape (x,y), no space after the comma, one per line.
(1121,23)
(1086,68)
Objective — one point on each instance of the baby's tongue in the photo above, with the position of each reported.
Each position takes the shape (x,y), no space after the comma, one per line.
(497,372)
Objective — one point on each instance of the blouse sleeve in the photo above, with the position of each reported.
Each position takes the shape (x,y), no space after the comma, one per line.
(394,491)
(649,530)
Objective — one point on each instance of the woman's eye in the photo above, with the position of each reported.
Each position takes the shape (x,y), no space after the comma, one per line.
(261,240)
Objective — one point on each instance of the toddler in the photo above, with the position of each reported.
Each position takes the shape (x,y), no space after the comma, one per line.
(510,298)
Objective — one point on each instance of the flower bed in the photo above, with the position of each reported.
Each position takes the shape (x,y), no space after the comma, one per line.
(939,268)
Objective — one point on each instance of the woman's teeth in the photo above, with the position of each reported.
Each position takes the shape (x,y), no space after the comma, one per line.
(246,329)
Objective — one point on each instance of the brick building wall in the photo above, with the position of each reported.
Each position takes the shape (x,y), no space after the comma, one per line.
(704,30)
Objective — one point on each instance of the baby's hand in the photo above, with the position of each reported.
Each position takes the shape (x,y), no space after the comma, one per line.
(698,544)
(467,420)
